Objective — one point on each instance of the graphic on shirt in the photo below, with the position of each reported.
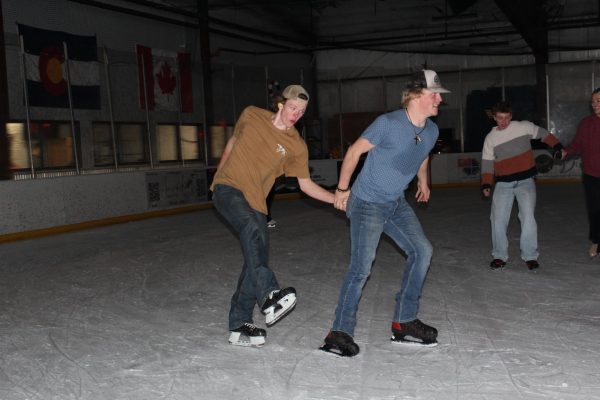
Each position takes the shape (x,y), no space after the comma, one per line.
(280,149)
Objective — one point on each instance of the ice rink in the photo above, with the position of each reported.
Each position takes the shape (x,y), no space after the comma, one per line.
(138,311)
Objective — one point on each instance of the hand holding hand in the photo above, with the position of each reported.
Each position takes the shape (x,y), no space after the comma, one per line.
(340,200)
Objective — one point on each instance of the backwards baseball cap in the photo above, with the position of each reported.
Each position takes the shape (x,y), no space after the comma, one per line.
(426,79)
(295,92)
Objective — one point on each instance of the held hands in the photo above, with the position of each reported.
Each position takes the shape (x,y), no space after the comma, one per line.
(561,155)
(341,199)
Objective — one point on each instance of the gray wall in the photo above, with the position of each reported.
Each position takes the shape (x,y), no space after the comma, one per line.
(46,203)
(348,81)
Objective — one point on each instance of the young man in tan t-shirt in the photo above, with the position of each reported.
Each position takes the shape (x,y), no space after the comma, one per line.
(264,146)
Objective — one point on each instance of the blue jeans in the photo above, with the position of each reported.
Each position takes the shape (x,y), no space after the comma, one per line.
(502,203)
(257,280)
(367,222)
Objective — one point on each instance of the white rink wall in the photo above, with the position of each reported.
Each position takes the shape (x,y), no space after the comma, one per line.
(53,202)
(456,168)
(48,203)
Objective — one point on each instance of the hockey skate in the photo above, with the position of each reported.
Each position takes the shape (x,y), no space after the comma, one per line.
(248,335)
(278,304)
(497,263)
(532,264)
(340,344)
(414,332)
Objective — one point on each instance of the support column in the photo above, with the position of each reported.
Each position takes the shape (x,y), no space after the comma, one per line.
(5,172)
(207,92)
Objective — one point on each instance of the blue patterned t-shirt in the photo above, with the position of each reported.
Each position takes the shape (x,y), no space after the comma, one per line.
(392,164)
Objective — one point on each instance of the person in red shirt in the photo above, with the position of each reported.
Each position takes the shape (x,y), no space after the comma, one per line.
(586,143)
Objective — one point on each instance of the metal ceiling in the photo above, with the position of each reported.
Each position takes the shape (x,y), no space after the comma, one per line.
(473,27)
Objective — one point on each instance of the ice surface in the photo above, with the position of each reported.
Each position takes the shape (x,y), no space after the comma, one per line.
(138,311)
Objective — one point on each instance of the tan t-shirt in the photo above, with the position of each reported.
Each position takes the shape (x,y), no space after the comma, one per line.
(260,154)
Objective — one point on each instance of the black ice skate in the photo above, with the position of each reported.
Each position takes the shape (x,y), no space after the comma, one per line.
(278,304)
(248,335)
(497,263)
(414,332)
(532,264)
(340,344)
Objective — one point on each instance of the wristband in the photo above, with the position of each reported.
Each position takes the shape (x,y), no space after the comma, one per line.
(342,190)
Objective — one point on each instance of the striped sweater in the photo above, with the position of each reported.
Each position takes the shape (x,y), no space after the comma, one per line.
(507,155)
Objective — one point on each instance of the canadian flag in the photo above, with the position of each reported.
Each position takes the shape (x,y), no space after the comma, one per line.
(168,79)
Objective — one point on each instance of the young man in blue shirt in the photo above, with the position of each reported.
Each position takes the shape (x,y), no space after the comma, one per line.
(398,146)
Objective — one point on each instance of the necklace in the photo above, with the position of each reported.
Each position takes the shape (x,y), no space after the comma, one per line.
(417,137)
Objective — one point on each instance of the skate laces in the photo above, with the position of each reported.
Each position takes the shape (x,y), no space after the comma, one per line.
(414,325)
(247,327)
(418,324)
(423,328)
(339,337)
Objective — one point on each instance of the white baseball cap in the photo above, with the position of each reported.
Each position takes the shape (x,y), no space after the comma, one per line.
(426,79)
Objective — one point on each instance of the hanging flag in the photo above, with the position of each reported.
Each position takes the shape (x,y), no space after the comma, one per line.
(46,68)
(168,79)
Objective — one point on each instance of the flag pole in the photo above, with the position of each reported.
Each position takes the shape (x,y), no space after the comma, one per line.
(71,106)
(27,116)
(110,108)
(267,87)
(304,122)
(146,108)
(204,122)
(233,94)
(181,149)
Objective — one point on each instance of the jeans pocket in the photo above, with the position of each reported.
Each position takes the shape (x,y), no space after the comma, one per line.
(349,205)
(217,196)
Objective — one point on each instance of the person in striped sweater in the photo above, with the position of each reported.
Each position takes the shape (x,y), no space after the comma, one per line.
(508,161)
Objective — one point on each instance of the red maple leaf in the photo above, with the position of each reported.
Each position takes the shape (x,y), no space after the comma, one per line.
(165,78)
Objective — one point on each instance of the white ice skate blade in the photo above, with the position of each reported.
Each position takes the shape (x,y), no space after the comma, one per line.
(239,339)
(413,343)
(334,351)
(286,304)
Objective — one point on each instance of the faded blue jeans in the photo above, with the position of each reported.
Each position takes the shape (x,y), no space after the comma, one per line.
(502,203)
(367,222)
(257,280)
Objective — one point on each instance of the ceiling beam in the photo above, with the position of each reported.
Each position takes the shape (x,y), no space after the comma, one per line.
(530,19)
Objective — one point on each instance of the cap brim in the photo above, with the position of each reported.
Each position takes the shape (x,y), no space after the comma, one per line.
(439,90)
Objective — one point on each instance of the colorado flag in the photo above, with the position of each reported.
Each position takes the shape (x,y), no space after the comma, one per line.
(46,73)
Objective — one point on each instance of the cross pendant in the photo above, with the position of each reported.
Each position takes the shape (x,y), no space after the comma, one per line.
(417,139)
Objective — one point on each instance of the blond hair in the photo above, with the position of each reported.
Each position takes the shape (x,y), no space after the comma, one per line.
(409,94)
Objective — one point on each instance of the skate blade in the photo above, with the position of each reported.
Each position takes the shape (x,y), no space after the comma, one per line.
(248,343)
(245,341)
(287,304)
(410,342)
(327,348)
